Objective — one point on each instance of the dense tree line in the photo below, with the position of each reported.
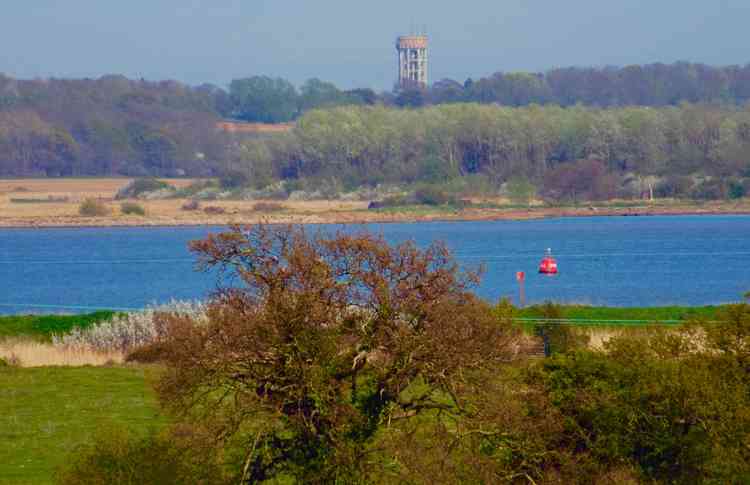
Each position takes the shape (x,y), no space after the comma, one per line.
(111,125)
(114,125)
(647,85)
(567,153)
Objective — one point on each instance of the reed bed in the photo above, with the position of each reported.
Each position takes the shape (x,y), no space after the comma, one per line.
(29,353)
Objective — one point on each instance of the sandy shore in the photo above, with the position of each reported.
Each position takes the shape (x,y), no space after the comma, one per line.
(54,203)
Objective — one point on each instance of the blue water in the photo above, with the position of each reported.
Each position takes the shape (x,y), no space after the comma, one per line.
(623,261)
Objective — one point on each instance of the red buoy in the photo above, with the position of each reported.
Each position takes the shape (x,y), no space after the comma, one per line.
(548,264)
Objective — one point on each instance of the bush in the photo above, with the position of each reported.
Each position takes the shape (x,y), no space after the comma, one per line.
(141,186)
(214,210)
(192,205)
(10,361)
(120,457)
(268,207)
(431,195)
(129,331)
(93,208)
(392,201)
(131,208)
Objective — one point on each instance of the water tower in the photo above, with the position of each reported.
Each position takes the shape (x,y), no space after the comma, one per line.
(412,60)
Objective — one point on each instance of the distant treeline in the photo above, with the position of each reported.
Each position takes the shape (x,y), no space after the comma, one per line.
(656,85)
(117,126)
(111,125)
(566,153)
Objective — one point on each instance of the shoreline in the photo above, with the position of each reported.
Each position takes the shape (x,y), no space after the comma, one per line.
(356,217)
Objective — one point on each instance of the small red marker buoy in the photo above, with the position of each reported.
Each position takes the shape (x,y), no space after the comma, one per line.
(548,264)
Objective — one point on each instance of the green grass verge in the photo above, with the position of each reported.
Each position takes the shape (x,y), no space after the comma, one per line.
(642,314)
(41,327)
(45,413)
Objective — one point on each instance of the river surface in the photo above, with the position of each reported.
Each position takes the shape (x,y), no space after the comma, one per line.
(619,261)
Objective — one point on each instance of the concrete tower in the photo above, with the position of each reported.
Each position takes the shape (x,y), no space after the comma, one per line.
(412,60)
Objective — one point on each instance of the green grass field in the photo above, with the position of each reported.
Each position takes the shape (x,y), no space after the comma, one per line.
(45,413)
(41,327)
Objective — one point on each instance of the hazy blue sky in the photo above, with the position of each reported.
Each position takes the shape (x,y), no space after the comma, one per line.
(351,42)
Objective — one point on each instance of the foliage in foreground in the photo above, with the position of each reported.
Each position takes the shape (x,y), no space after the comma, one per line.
(164,459)
(676,404)
(325,340)
(340,359)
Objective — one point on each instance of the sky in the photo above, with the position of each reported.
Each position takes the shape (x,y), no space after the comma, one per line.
(352,43)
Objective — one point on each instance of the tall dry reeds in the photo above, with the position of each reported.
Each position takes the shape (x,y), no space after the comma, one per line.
(28,353)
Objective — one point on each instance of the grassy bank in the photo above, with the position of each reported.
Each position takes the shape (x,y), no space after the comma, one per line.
(46,413)
(42,327)
(625,315)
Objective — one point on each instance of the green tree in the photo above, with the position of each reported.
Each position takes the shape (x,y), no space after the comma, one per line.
(264,99)
(315,93)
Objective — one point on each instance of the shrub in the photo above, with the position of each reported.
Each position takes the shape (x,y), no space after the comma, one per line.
(140,186)
(93,208)
(10,361)
(392,201)
(431,195)
(131,208)
(118,456)
(214,210)
(129,331)
(192,205)
(268,207)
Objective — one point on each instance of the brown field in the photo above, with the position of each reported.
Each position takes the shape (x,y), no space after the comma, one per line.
(68,193)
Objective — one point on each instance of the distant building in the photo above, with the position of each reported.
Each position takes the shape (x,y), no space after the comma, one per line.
(412,60)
